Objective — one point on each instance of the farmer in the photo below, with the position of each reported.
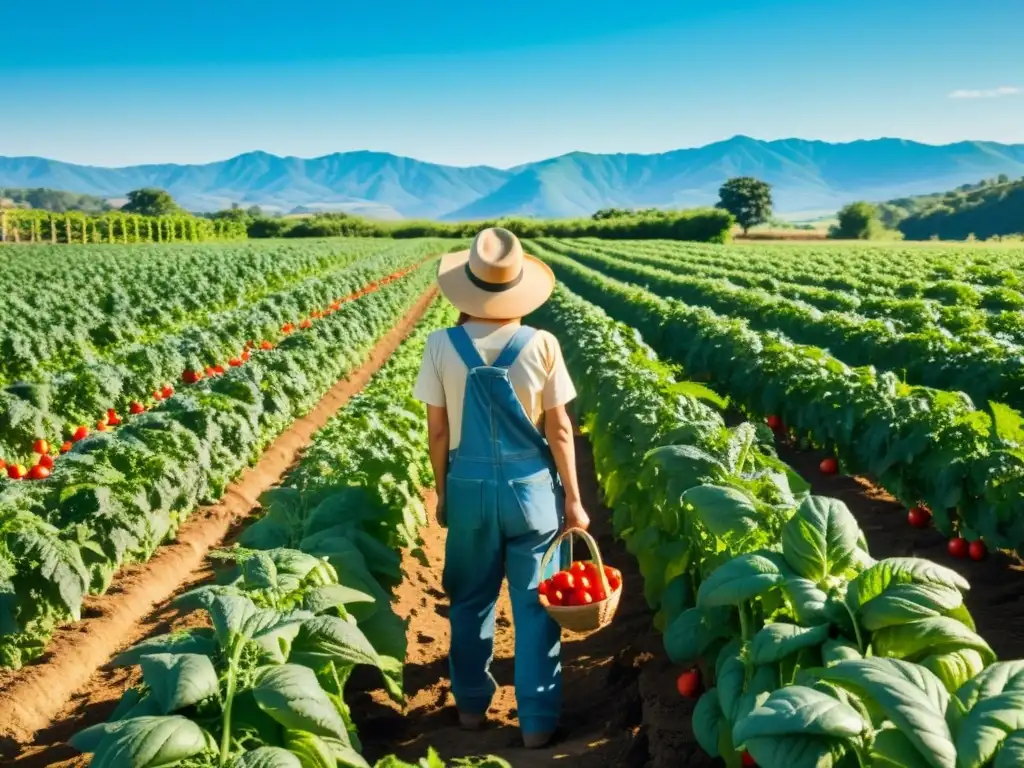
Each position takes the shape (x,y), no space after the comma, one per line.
(501,446)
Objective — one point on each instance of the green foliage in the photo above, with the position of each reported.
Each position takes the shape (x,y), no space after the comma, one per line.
(858,221)
(990,209)
(118,495)
(920,444)
(53,200)
(704,225)
(150,202)
(748,199)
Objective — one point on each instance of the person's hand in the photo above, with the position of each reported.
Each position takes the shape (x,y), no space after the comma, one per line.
(576,516)
(440,512)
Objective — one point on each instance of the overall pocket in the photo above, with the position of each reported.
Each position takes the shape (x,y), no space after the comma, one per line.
(539,502)
(464,503)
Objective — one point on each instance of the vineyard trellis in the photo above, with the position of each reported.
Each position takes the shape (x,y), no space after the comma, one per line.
(31,226)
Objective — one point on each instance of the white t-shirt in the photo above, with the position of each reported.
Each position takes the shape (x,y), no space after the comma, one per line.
(538,376)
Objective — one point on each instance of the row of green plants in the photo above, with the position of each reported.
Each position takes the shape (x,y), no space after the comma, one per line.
(804,650)
(979,365)
(33,226)
(924,446)
(52,406)
(64,306)
(961,308)
(117,495)
(304,599)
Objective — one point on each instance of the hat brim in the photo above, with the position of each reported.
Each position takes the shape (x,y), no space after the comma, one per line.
(530,293)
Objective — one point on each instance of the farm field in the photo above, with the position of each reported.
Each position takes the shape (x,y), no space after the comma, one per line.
(246,571)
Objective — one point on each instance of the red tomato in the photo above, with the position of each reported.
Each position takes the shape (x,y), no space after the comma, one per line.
(219,370)
(157,394)
(65,447)
(235,362)
(774,423)
(748,760)
(136,407)
(113,419)
(265,345)
(542,588)
(287,328)
(578,568)
(191,377)
(80,433)
(584,583)
(41,446)
(38,472)
(16,471)
(3,464)
(597,592)
(919,517)
(46,460)
(977,550)
(563,581)
(246,354)
(578,597)
(167,391)
(958,547)
(688,683)
(101,425)
(829,466)
(307,323)
(555,597)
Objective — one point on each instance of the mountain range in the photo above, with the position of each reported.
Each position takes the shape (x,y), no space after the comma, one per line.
(806,176)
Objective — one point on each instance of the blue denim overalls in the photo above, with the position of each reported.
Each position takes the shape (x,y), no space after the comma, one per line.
(504,507)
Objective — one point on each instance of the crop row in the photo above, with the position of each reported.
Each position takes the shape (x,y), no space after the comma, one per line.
(986,372)
(53,407)
(306,600)
(804,649)
(922,445)
(67,305)
(118,494)
(957,308)
(950,274)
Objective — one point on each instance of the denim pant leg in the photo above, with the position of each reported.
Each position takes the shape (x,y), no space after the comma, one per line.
(473,571)
(538,667)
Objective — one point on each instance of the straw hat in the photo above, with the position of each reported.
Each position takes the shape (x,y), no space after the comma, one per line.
(494,279)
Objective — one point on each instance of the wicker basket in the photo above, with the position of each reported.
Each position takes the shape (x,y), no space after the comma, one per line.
(583,618)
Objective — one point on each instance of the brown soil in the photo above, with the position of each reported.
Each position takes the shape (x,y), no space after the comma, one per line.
(65,687)
(621,708)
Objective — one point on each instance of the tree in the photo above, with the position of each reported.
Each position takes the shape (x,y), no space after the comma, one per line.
(857,221)
(748,199)
(150,202)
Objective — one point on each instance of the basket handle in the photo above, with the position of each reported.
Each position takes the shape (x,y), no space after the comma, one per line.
(591,545)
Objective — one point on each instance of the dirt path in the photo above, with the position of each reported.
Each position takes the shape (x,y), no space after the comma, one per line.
(66,690)
(614,714)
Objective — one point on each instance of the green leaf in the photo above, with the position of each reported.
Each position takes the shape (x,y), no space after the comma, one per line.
(328,596)
(693,631)
(707,722)
(927,637)
(910,696)
(900,570)
(179,680)
(777,641)
(954,668)
(199,641)
(740,579)
(311,750)
(902,603)
(820,539)
(799,751)
(730,679)
(324,639)
(291,695)
(728,513)
(839,649)
(893,749)
(267,757)
(807,599)
(151,742)
(798,710)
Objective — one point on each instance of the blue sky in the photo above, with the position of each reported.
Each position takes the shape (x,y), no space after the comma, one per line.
(476,83)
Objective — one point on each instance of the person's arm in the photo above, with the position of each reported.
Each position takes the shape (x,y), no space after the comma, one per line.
(558,431)
(438,441)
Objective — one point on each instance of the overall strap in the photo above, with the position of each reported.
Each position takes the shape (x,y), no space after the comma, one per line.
(463,344)
(515,345)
